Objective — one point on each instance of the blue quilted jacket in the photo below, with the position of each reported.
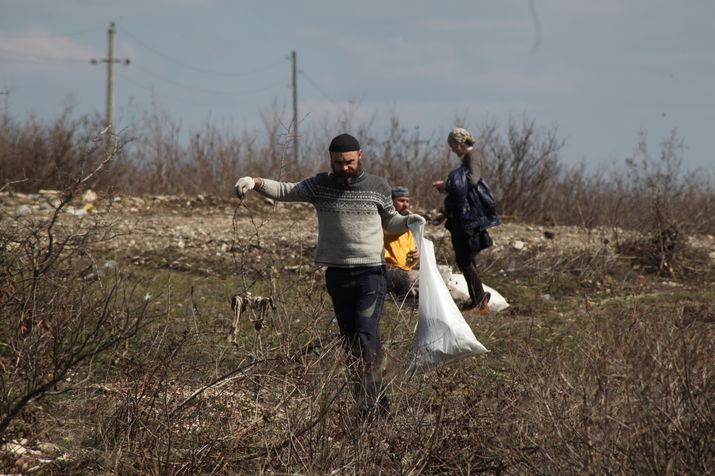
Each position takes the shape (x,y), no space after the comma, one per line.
(471,206)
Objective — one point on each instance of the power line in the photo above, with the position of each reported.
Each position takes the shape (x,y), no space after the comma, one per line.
(35,59)
(186,98)
(320,90)
(19,57)
(204,90)
(55,35)
(196,68)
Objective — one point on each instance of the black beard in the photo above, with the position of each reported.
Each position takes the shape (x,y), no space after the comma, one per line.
(347,178)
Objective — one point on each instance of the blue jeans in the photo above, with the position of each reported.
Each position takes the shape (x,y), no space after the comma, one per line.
(358,296)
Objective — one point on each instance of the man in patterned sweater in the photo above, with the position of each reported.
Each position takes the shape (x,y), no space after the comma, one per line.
(353,209)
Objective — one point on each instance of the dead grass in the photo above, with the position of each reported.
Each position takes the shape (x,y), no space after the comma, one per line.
(610,373)
(602,364)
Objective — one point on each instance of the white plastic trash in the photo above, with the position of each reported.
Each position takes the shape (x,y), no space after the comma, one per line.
(496,301)
(443,335)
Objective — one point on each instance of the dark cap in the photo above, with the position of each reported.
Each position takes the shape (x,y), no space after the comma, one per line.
(344,143)
(398,192)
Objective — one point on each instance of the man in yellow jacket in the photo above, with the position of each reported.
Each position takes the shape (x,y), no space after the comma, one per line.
(401,254)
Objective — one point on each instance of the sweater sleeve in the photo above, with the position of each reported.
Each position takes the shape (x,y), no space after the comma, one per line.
(394,222)
(285,191)
(475,165)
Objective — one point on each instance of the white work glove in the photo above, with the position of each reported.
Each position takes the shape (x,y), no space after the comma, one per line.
(414,220)
(243,185)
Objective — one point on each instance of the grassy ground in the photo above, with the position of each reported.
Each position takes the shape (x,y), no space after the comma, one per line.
(597,367)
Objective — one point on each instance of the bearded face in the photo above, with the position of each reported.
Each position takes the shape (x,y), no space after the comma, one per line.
(346,164)
(402,205)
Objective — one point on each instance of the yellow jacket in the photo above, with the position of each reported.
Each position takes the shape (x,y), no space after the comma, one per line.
(396,249)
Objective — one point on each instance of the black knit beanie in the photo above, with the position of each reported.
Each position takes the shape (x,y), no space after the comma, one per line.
(344,143)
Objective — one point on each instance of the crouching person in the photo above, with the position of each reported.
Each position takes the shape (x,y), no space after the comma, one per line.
(401,253)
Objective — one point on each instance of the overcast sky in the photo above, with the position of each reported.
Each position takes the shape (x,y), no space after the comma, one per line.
(599,71)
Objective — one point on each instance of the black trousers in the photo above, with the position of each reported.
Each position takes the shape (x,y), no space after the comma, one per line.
(467,244)
(358,296)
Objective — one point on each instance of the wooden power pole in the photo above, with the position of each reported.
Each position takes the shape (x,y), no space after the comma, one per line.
(110,60)
(295,109)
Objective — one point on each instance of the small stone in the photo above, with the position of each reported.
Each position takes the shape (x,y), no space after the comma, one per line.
(22,211)
(76,211)
(14,448)
(49,449)
(89,196)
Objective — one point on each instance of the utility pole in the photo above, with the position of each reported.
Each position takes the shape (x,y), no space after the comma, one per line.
(110,60)
(295,109)
(5,93)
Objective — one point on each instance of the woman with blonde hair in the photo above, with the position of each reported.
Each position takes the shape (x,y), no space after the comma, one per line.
(469,209)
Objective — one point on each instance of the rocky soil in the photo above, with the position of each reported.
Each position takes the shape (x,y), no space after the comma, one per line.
(192,230)
(205,235)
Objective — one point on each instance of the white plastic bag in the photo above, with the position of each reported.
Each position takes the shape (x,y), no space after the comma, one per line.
(496,301)
(443,335)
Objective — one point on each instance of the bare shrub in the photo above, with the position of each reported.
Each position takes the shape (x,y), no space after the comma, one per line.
(522,168)
(216,156)
(180,398)
(655,193)
(160,156)
(50,155)
(633,398)
(618,385)
(57,312)
(655,186)
(578,197)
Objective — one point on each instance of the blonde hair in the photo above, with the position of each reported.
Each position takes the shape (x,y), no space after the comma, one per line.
(459,135)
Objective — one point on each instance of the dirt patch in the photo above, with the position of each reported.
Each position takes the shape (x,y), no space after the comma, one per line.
(205,234)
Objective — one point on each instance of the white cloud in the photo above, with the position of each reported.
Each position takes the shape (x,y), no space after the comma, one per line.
(39,50)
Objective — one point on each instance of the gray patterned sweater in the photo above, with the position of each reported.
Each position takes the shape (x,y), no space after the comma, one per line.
(351,216)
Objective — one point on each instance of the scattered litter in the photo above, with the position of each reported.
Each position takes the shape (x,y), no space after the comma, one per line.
(76,211)
(259,307)
(22,211)
(89,196)
(496,302)
(14,448)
